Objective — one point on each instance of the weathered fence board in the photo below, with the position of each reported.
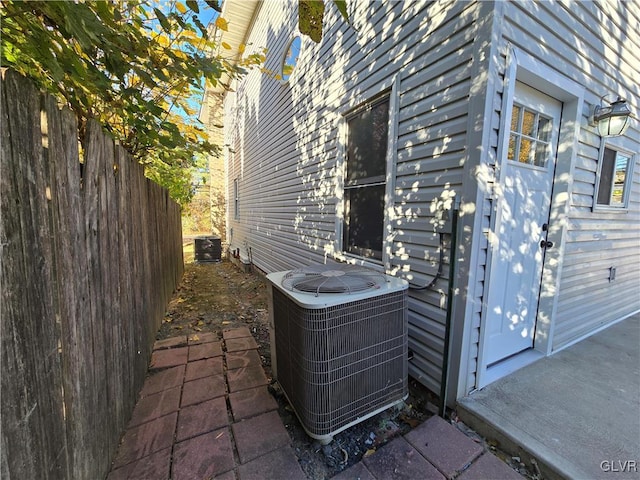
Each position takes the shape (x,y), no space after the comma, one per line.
(91,253)
(70,264)
(31,378)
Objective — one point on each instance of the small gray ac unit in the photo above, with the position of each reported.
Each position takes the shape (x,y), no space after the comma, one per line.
(339,344)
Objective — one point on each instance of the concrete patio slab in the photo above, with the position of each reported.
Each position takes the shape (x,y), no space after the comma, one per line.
(236,333)
(204,456)
(244,358)
(156,466)
(251,402)
(205,350)
(400,461)
(575,412)
(279,464)
(168,358)
(199,338)
(204,368)
(489,466)
(259,435)
(170,343)
(238,344)
(202,418)
(434,438)
(245,378)
(148,438)
(163,380)
(156,405)
(202,389)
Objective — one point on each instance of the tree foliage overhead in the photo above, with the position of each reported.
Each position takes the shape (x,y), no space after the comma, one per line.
(133,65)
(311,17)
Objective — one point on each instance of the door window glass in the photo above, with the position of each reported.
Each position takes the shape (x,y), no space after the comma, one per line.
(529,140)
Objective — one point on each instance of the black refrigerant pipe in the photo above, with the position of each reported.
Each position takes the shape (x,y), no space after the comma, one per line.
(444,380)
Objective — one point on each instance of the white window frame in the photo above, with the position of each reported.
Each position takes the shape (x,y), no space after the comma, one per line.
(283,59)
(624,207)
(358,102)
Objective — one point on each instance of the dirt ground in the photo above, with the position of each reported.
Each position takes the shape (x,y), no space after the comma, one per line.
(214,296)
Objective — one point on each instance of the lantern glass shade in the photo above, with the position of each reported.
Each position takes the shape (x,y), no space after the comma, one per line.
(614,119)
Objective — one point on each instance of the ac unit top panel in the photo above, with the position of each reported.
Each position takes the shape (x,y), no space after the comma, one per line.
(313,300)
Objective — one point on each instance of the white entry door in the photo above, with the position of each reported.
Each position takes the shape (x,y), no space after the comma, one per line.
(521,224)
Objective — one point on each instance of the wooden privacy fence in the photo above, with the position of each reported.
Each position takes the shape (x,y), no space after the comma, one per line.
(91,254)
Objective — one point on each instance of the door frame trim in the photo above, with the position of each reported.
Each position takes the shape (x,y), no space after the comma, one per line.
(531,71)
(502,202)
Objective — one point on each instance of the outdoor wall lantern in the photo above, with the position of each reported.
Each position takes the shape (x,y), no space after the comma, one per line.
(612,120)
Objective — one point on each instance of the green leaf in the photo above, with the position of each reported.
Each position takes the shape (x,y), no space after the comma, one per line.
(8,55)
(144,75)
(215,4)
(310,17)
(342,8)
(201,27)
(168,142)
(164,23)
(193,6)
(118,62)
(179,19)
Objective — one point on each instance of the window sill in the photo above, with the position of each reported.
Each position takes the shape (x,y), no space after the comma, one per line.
(609,209)
(376,265)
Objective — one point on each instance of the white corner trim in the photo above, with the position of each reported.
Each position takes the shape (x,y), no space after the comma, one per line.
(486,76)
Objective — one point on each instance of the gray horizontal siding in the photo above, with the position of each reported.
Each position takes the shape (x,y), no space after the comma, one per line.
(432,140)
(287,155)
(287,148)
(594,44)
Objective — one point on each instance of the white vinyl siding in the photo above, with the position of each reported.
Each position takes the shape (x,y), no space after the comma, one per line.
(287,149)
(592,43)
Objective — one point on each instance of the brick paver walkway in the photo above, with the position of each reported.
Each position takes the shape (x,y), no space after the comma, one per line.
(205,412)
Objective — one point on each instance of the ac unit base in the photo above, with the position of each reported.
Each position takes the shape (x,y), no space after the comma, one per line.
(327,439)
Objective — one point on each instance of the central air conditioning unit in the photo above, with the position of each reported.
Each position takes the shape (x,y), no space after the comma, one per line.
(338,344)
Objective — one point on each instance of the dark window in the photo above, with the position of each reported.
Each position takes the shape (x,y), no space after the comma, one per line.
(613,178)
(236,199)
(364,186)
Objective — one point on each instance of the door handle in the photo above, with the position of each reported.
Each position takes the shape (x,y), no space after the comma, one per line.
(545,244)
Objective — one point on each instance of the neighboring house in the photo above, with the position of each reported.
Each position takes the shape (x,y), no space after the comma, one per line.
(378,132)
(212,118)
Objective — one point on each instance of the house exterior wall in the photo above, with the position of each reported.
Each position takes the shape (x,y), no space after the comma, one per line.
(587,45)
(446,65)
(213,117)
(595,45)
(287,144)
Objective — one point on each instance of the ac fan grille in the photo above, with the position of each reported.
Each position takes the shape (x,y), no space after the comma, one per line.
(319,284)
(332,279)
